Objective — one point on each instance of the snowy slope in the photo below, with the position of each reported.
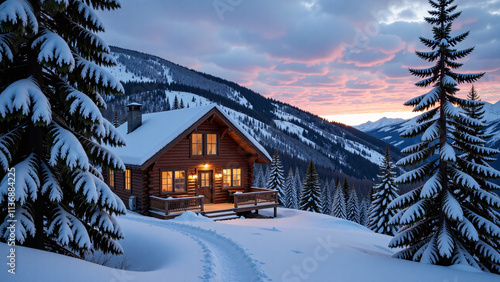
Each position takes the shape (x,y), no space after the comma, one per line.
(373,125)
(296,246)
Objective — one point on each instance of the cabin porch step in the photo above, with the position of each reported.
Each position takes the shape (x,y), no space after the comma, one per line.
(226,217)
(221,215)
(217,214)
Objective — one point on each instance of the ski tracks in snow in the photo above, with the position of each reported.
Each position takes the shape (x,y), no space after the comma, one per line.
(225,260)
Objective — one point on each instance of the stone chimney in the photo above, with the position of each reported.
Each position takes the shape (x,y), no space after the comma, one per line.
(134,116)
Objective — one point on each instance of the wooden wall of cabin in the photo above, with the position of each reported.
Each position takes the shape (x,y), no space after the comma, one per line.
(231,155)
(138,188)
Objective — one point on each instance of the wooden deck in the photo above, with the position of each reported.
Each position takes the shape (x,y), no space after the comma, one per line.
(256,200)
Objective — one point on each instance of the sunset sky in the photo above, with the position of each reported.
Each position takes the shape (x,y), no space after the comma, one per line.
(345,60)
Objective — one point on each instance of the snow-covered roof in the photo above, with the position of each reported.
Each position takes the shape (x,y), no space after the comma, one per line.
(161,128)
(134,104)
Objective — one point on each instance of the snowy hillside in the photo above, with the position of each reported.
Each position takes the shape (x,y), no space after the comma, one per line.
(298,135)
(373,125)
(311,247)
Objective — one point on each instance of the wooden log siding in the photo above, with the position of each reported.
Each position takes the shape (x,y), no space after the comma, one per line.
(230,155)
(138,187)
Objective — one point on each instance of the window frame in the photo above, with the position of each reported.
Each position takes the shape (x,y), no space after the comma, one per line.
(224,178)
(216,144)
(232,178)
(191,143)
(171,183)
(111,179)
(240,177)
(204,144)
(129,182)
(185,191)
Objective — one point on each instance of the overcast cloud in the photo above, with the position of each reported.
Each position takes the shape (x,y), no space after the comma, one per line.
(325,56)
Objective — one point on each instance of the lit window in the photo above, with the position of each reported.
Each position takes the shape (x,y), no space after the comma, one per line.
(173,181)
(111,178)
(236,177)
(231,177)
(226,180)
(180,181)
(127,179)
(166,182)
(212,144)
(197,144)
(205,179)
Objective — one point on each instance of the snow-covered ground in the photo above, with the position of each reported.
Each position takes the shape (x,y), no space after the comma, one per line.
(295,246)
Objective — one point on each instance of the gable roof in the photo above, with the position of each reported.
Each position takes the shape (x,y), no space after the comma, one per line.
(161,129)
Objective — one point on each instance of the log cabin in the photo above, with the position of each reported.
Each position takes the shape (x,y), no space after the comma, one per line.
(187,159)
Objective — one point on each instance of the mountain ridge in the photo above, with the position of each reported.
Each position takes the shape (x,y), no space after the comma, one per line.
(390,133)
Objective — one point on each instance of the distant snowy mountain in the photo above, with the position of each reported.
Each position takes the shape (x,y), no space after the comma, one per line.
(298,135)
(373,125)
(391,132)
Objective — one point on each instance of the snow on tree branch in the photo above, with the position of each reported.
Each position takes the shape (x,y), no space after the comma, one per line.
(82,105)
(23,94)
(451,207)
(24,227)
(50,184)
(27,181)
(66,147)
(98,75)
(107,198)
(5,47)
(88,18)
(84,181)
(69,229)
(428,100)
(7,144)
(53,49)
(106,156)
(109,133)
(15,12)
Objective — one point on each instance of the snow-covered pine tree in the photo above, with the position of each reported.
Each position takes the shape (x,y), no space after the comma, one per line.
(363,212)
(276,179)
(257,182)
(176,103)
(182,104)
(451,218)
(298,183)
(338,205)
(384,193)
(310,199)
(266,175)
(347,191)
(167,106)
(295,199)
(327,199)
(474,111)
(116,121)
(51,129)
(290,193)
(353,206)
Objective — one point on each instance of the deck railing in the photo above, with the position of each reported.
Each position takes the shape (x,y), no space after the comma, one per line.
(170,205)
(256,197)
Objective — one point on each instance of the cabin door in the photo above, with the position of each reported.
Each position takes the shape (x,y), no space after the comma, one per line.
(205,185)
